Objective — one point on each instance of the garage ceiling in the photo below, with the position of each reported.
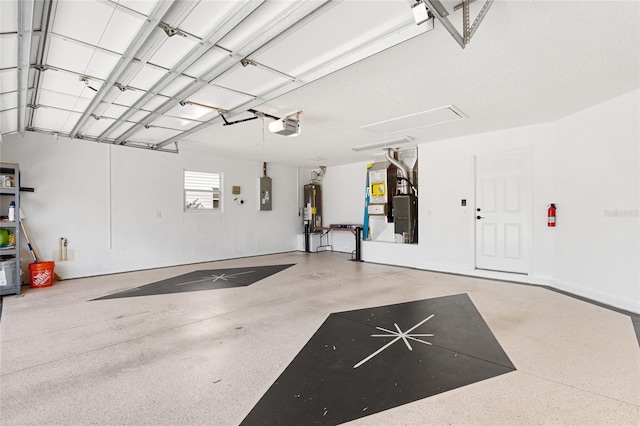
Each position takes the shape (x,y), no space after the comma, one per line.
(166,75)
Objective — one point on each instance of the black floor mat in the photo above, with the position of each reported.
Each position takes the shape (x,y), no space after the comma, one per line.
(202,280)
(370,360)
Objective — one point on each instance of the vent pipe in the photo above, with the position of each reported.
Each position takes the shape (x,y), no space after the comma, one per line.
(402,183)
(316,174)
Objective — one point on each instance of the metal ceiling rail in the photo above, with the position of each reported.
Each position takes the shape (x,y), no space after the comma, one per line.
(145,32)
(47,7)
(142,145)
(25,29)
(294,83)
(275,27)
(237,15)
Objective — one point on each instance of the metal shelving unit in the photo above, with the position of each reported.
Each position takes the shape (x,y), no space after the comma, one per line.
(10,255)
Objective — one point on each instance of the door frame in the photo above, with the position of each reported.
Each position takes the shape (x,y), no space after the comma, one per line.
(528,150)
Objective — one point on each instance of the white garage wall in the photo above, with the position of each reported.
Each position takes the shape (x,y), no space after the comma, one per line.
(586,163)
(344,204)
(121,208)
(597,246)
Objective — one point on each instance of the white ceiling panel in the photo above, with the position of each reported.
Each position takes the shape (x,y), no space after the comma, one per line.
(143,6)
(8,100)
(334,32)
(32,77)
(35,41)
(213,57)
(9,49)
(172,51)
(96,127)
(121,30)
(207,15)
(128,97)
(155,103)
(219,97)
(114,111)
(8,121)
(63,100)
(147,77)
(192,112)
(9,16)
(176,85)
(251,79)
(68,55)
(68,83)
(120,130)
(8,80)
(101,64)
(254,24)
(175,123)
(138,116)
(153,134)
(54,119)
(82,20)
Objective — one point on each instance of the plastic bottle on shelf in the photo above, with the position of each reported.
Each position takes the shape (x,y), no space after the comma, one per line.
(12,211)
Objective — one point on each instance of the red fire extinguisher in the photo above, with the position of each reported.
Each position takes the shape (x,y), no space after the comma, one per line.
(551,215)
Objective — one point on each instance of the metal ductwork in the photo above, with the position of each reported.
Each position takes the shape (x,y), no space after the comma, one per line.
(402,184)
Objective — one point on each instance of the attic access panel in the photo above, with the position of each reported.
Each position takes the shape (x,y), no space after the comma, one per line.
(432,117)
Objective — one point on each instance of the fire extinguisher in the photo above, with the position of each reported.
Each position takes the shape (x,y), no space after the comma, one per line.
(551,215)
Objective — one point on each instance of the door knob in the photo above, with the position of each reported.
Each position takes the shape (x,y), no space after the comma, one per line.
(478,217)
(478,209)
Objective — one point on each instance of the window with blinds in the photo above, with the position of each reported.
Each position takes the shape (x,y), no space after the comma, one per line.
(202,191)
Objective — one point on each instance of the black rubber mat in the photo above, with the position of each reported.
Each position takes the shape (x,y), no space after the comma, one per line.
(202,280)
(370,360)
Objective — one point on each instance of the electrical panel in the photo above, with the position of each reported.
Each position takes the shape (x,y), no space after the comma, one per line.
(266,196)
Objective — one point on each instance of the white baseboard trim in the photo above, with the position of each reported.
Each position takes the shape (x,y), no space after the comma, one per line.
(632,306)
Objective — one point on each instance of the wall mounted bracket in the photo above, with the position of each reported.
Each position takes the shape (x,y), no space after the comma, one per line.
(438,10)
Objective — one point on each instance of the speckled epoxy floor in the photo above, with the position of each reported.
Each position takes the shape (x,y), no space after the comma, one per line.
(212,356)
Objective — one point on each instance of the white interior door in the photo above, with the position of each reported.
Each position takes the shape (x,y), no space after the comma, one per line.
(503,208)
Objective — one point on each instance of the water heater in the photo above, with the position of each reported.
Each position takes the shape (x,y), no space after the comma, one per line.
(313,206)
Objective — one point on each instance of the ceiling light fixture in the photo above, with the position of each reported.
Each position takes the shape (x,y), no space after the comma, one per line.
(386,143)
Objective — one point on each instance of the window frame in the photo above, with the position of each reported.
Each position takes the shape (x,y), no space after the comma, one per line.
(211,194)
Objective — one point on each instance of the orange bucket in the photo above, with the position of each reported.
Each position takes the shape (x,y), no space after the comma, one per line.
(41,274)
